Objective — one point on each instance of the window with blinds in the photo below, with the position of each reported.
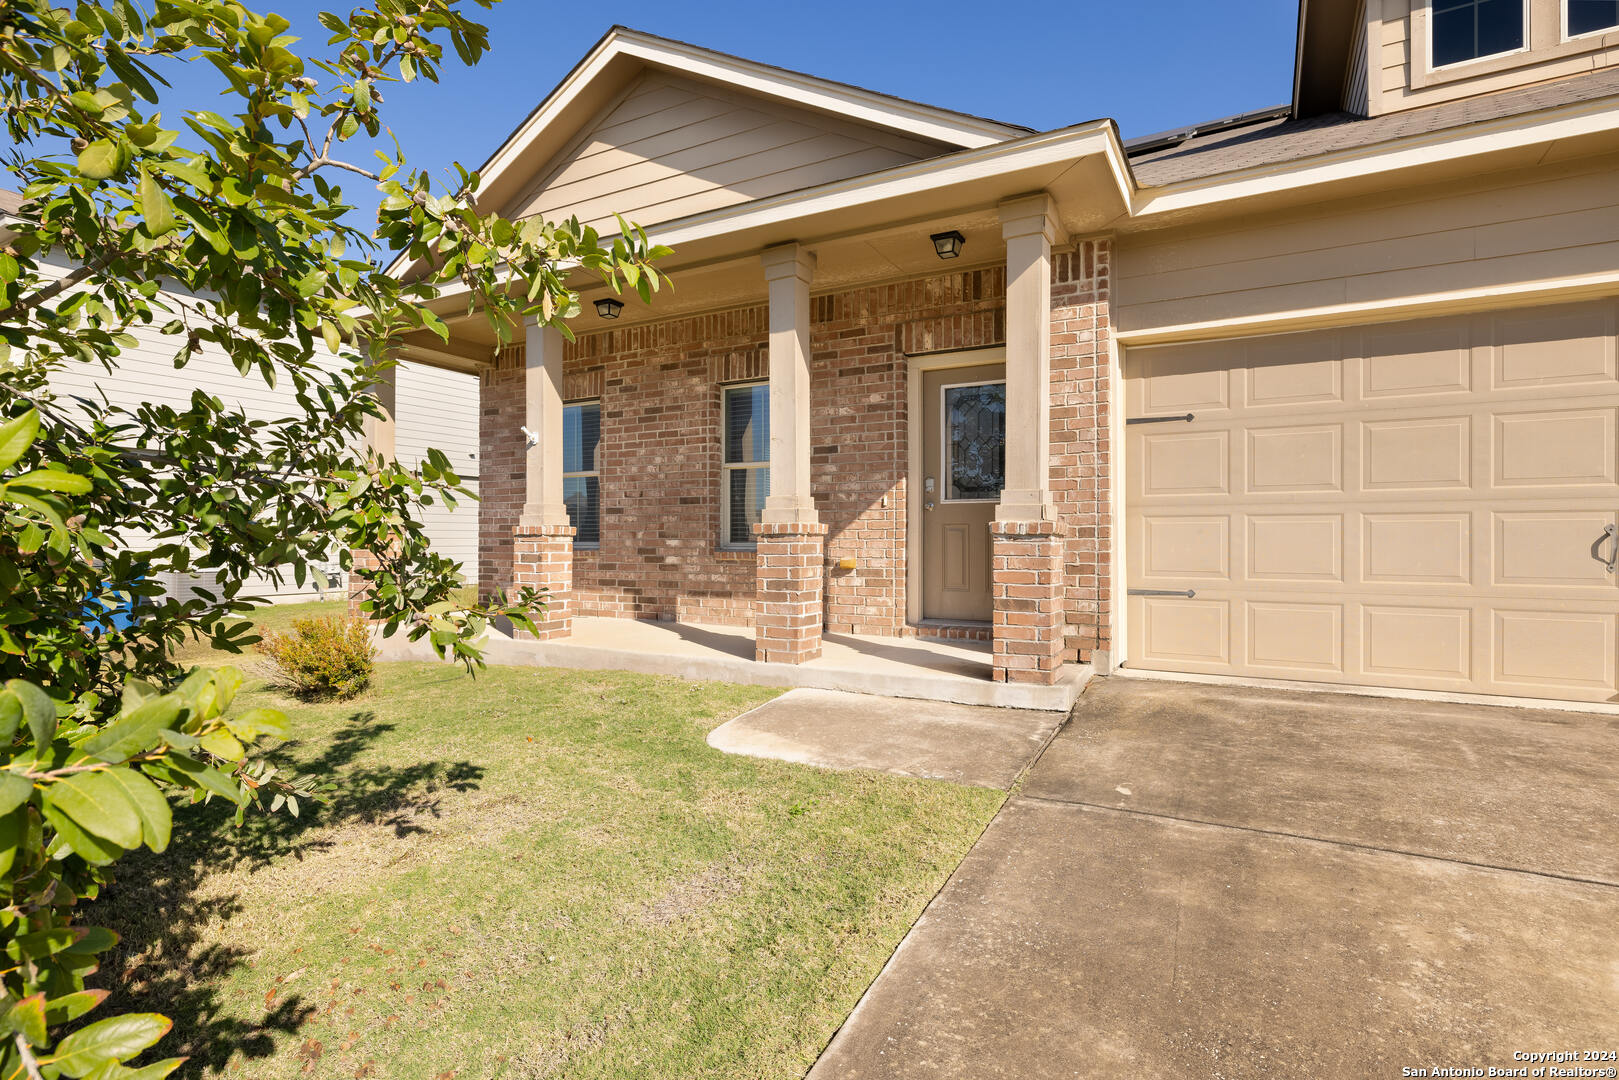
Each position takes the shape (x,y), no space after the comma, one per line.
(581,477)
(745,474)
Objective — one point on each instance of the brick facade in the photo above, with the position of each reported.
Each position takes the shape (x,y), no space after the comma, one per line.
(791,605)
(542,558)
(1026,582)
(660,387)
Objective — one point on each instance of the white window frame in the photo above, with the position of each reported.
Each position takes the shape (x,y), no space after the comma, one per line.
(1563,27)
(944,437)
(1456,65)
(726,468)
(596,472)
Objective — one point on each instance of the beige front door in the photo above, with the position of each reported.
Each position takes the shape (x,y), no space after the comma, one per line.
(1429,504)
(963,467)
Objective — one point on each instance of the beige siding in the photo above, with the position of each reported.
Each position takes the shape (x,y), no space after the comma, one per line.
(1507,230)
(1408,82)
(673,146)
(435,408)
(1354,97)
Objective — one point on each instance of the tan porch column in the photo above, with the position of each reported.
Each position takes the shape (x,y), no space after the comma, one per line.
(791,539)
(379,439)
(542,544)
(1026,536)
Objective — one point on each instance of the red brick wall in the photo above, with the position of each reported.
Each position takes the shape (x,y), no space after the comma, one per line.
(659,384)
(1081,450)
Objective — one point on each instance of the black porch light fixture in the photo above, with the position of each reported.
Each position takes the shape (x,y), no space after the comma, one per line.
(948,244)
(608,308)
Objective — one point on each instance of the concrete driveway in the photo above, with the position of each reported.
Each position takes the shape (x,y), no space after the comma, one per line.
(1201,881)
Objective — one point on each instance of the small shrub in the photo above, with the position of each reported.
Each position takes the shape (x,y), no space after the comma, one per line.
(323,657)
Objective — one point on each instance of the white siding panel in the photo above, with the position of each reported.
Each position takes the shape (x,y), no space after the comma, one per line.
(435,408)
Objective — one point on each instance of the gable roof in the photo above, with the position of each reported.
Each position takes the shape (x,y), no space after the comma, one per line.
(624,54)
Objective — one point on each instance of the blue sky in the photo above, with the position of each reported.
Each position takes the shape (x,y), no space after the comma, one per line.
(1149,64)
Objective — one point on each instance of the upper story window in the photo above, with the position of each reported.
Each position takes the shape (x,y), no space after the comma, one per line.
(1463,30)
(745,472)
(1589,16)
(581,477)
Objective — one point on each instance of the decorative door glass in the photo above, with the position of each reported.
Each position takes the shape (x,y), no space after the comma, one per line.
(975,441)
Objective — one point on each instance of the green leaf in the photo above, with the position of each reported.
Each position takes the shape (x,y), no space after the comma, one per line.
(99,805)
(51,480)
(14,791)
(27,1018)
(155,1071)
(102,159)
(156,207)
(139,730)
(223,744)
(10,715)
(91,849)
(194,773)
(113,1039)
(13,827)
(16,436)
(72,1006)
(39,709)
(260,721)
(150,806)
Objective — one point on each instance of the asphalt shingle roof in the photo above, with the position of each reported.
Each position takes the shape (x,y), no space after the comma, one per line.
(1275,141)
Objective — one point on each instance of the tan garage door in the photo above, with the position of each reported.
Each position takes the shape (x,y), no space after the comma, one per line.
(1419,504)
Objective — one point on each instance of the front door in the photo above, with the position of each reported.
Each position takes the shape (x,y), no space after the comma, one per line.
(963,470)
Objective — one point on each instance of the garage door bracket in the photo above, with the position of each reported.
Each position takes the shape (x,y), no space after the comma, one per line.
(1188,593)
(1183,418)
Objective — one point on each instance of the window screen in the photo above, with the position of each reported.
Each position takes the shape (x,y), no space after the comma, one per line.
(1468,29)
(745,475)
(581,479)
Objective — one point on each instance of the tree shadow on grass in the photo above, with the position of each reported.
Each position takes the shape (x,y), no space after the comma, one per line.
(164,906)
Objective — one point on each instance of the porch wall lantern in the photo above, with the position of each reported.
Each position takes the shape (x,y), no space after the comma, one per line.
(948,244)
(608,308)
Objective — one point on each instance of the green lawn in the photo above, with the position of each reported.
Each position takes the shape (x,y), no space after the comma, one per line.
(532,874)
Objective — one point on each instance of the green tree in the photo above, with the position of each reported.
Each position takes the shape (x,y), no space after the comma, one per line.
(244,209)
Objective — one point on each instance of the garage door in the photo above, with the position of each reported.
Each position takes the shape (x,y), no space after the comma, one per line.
(1428,505)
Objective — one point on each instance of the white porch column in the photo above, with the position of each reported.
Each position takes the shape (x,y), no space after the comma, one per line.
(542,497)
(788,269)
(1029,226)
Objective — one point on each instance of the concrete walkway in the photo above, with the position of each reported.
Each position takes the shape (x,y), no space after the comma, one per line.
(965,744)
(1213,882)
(951,671)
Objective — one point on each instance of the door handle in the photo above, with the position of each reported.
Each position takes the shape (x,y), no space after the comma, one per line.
(1611,531)
(929,506)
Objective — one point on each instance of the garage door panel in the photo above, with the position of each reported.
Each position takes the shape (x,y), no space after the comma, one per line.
(1185,463)
(1296,547)
(1554,649)
(1295,459)
(1295,370)
(1184,631)
(1553,548)
(1405,642)
(1422,504)
(1178,379)
(1555,448)
(1428,453)
(1416,360)
(1295,639)
(1189,548)
(1417,549)
(1559,346)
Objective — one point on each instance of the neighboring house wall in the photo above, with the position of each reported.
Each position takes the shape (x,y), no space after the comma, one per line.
(434,407)
(1402,76)
(672,146)
(660,388)
(1497,231)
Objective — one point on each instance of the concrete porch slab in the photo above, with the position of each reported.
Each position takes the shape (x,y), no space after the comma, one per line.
(965,744)
(931,670)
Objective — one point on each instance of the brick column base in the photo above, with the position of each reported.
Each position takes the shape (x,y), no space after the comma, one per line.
(787,614)
(542,557)
(1026,586)
(357,586)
